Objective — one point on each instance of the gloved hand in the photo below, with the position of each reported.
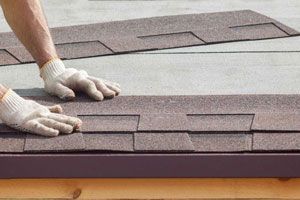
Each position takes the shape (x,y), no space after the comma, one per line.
(63,82)
(29,116)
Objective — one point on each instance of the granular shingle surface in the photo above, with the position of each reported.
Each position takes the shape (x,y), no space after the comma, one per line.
(276,141)
(220,122)
(12,142)
(109,142)
(276,122)
(163,122)
(82,49)
(109,123)
(237,142)
(71,142)
(179,142)
(153,33)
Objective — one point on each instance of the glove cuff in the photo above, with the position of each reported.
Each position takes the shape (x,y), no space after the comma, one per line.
(10,103)
(52,69)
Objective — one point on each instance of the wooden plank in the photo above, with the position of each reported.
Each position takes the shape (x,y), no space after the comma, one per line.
(151,188)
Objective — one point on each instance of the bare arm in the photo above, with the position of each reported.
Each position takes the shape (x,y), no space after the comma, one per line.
(27,20)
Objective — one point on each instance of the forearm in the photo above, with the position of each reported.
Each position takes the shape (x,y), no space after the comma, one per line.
(27,20)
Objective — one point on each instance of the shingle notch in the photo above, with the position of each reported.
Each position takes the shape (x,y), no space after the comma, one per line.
(109,123)
(71,142)
(163,122)
(170,142)
(276,141)
(220,122)
(12,142)
(109,142)
(276,122)
(211,142)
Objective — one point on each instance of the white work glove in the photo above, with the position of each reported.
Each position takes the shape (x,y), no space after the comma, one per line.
(29,116)
(63,82)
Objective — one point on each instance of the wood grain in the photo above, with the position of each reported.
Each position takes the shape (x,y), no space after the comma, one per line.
(151,188)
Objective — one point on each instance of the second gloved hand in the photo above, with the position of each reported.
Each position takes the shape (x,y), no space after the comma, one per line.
(32,117)
(63,82)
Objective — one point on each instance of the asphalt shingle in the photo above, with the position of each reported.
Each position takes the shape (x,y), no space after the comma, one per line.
(12,142)
(209,142)
(71,142)
(178,142)
(109,123)
(276,122)
(109,142)
(234,122)
(276,141)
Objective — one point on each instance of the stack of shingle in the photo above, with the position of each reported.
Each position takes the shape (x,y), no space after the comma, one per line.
(167,124)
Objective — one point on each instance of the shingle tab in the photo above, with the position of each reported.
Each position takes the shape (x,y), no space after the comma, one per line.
(109,123)
(109,142)
(276,141)
(178,142)
(12,142)
(237,142)
(214,122)
(276,122)
(71,142)
(163,122)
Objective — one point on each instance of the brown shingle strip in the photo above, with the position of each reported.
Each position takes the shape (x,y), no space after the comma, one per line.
(211,142)
(109,123)
(109,142)
(276,141)
(12,142)
(163,122)
(7,59)
(276,122)
(206,104)
(156,33)
(170,142)
(236,122)
(71,142)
